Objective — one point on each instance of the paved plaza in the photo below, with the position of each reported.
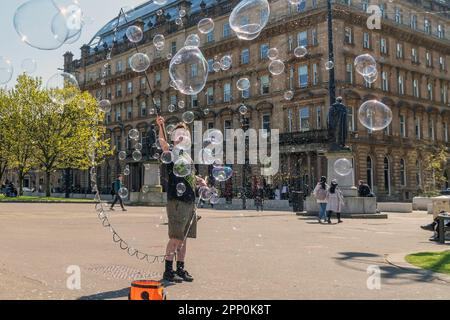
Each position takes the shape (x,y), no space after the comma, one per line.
(238,255)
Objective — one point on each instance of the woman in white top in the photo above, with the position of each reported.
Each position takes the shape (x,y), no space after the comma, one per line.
(335,201)
(320,193)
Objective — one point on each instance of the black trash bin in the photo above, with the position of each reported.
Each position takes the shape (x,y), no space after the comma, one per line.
(298,201)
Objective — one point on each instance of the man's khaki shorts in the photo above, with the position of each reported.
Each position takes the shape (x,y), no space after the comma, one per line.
(181,219)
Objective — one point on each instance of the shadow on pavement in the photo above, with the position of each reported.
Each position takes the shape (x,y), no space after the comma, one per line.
(123,293)
(390,274)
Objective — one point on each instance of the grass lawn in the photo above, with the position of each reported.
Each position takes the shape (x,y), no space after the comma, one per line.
(41,199)
(434,261)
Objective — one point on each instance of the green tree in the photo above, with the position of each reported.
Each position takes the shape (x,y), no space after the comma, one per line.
(18,148)
(68,135)
(3,159)
(435,160)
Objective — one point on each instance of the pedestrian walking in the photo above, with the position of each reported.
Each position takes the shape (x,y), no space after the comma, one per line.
(320,193)
(117,185)
(335,201)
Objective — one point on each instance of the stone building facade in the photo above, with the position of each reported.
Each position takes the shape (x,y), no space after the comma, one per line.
(412,49)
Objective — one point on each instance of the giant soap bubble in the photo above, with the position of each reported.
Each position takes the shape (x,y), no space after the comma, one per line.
(6,70)
(189,70)
(222,174)
(62,87)
(249,18)
(375,115)
(38,25)
(343,167)
(365,65)
(139,62)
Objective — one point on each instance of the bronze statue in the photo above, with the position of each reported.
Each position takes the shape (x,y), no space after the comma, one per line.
(338,126)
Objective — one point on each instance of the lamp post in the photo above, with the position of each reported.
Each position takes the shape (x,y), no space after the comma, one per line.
(331,82)
(244,127)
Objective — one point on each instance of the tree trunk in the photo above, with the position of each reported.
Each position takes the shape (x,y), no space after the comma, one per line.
(20,188)
(47,183)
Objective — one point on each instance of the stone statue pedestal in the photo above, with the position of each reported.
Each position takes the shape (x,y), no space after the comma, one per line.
(354,205)
(151,192)
(346,183)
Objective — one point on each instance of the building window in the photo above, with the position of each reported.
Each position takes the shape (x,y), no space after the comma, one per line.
(365,4)
(370,172)
(418,129)
(143,83)
(414,55)
(383,46)
(304,119)
(440,31)
(301,6)
(108,93)
(445,129)
(348,38)
(319,117)
(314,38)
(227,92)
(118,114)
(246,93)
(210,65)
(245,56)
(158,78)
(266,122)
(290,121)
(119,66)
(264,49)
(302,39)
(265,84)
(387,176)
(429,59)
(226,30)
(413,22)
(416,90)
(384,81)
(194,101)
(399,52)
(119,90)
(430,90)
(402,126)
(349,73)
(130,87)
(143,109)
(130,112)
(398,16)
(210,95)
(418,173)
(173,100)
(444,90)
(173,47)
(366,40)
(194,70)
(431,129)
(315,74)
(427,26)
(442,63)
(210,37)
(303,76)
(402,172)
(401,85)
(350,119)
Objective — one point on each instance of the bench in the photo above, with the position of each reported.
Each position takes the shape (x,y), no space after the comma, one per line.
(442,228)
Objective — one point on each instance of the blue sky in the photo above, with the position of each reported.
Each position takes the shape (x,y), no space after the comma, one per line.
(100,12)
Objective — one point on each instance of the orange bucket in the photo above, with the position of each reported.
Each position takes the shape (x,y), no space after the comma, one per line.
(147,290)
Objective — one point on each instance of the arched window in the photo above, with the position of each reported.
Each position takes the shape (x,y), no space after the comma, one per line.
(402,172)
(387,176)
(370,172)
(418,173)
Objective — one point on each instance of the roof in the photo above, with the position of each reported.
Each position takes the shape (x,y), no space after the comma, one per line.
(146,12)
